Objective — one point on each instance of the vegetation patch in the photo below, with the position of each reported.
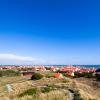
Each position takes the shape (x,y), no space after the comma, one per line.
(84,74)
(98,77)
(36,76)
(47,89)
(9,73)
(77,95)
(28,92)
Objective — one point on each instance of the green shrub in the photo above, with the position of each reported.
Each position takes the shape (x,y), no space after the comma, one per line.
(36,76)
(64,74)
(9,73)
(28,92)
(58,71)
(77,96)
(84,74)
(89,75)
(98,77)
(47,89)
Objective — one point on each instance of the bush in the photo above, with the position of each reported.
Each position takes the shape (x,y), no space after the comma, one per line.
(77,96)
(28,92)
(36,76)
(64,74)
(58,71)
(47,89)
(9,73)
(98,77)
(89,75)
(84,74)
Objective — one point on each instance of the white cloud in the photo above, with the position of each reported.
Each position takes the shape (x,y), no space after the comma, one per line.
(15,57)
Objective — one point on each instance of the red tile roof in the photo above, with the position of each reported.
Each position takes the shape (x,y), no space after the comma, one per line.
(57,75)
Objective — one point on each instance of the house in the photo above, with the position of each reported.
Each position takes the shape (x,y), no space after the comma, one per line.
(82,70)
(70,73)
(53,69)
(57,75)
(42,68)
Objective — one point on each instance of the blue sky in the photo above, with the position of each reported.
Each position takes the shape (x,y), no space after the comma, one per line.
(49,32)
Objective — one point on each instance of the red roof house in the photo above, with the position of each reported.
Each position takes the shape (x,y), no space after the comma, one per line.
(57,75)
(70,73)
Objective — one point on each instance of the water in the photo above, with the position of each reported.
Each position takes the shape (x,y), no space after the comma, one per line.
(96,66)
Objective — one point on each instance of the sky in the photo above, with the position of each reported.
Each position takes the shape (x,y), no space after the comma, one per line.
(50,32)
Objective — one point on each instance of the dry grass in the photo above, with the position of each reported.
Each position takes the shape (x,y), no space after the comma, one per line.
(10,80)
(53,95)
(87,89)
(7,80)
(20,84)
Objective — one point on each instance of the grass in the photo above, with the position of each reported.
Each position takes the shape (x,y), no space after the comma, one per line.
(53,95)
(87,89)
(28,92)
(24,89)
(10,80)
(47,89)
(43,89)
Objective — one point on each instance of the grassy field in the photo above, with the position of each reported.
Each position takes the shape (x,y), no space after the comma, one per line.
(89,88)
(48,88)
(21,85)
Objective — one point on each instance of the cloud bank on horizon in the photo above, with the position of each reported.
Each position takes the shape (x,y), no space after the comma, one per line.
(13,59)
(17,59)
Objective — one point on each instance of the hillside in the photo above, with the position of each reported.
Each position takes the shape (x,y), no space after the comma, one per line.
(89,88)
(48,88)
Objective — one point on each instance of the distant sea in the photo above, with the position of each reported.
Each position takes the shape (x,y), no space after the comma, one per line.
(96,66)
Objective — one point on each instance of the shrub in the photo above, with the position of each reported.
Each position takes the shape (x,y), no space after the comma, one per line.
(58,71)
(9,73)
(76,75)
(84,74)
(64,74)
(28,92)
(98,77)
(77,96)
(47,89)
(89,75)
(47,68)
(36,76)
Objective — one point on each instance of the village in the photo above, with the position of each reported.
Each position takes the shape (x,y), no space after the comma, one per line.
(68,70)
